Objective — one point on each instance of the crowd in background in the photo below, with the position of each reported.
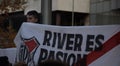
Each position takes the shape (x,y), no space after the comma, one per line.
(4,61)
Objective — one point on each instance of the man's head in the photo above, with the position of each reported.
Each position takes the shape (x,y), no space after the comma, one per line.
(52,63)
(32,16)
(4,61)
(21,63)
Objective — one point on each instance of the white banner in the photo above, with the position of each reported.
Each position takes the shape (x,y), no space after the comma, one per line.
(75,45)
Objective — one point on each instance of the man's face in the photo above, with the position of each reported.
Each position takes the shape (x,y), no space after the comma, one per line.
(31,18)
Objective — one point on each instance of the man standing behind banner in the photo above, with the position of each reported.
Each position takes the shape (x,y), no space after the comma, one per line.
(28,47)
(33,16)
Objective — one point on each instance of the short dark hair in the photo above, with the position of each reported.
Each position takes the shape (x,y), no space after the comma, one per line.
(4,61)
(33,13)
(21,63)
(52,63)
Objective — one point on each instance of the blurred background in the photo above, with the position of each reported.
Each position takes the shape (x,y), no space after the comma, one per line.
(55,12)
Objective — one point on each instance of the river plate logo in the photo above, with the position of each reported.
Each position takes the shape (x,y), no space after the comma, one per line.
(28,49)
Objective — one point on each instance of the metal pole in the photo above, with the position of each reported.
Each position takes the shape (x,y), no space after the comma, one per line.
(72,12)
(46,11)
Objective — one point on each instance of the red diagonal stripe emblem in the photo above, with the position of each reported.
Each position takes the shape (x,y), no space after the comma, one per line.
(31,44)
(107,46)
